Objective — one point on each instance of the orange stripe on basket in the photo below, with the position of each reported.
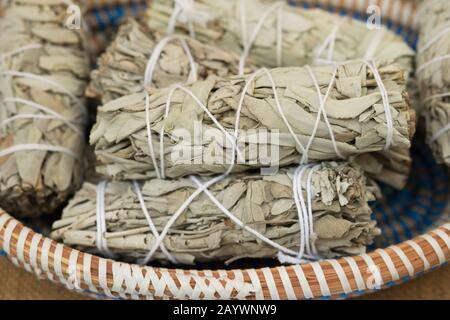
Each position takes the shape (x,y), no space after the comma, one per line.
(23,238)
(321,280)
(436,247)
(373,273)
(418,250)
(404,259)
(33,256)
(342,276)
(303,282)
(287,285)
(356,272)
(444,236)
(330,277)
(8,235)
(269,279)
(389,264)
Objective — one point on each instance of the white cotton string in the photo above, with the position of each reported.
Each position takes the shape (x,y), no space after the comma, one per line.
(52,114)
(180,210)
(185,12)
(301,210)
(181,8)
(311,247)
(239,223)
(153,60)
(433,40)
(148,78)
(19,50)
(235,150)
(440,133)
(101,242)
(322,110)
(149,136)
(203,188)
(374,44)
(248,45)
(431,62)
(426,65)
(307,249)
(32,76)
(173,19)
(155,233)
(384,96)
(304,210)
(329,42)
(250,80)
(386,105)
(38,147)
(436,96)
(228,136)
(290,259)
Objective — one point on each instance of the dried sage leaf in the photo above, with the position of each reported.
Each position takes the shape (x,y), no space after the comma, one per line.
(44,68)
(342,221)
(193,143)
(433,75)
(307,36)
(122,67)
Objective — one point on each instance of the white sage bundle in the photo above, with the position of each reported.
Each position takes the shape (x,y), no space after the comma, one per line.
(312,212)
(44,69)
(433,74)
(140,56)
(276,34)
(270,118)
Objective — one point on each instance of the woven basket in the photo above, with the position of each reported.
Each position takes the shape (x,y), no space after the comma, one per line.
(399,15)
(417,213)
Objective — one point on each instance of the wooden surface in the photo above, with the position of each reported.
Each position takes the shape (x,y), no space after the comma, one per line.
(19,284)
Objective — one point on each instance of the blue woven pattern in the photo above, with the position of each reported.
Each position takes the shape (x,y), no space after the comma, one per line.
(105,18)
(412,211)
(108,17)
(408,34)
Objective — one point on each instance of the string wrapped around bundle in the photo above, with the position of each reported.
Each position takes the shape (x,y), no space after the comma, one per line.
(274,34)
(433,74)
(140,56)
(297,215)
(44,69)
(309,113)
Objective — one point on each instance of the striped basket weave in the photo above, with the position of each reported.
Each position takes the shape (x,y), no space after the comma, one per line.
(416,228)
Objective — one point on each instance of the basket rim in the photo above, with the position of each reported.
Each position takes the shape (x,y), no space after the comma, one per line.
(332,278)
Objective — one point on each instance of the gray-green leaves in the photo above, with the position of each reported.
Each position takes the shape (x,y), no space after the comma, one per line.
(342,217)
(433,74)
(354,110)
(43,73)
(122,67)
